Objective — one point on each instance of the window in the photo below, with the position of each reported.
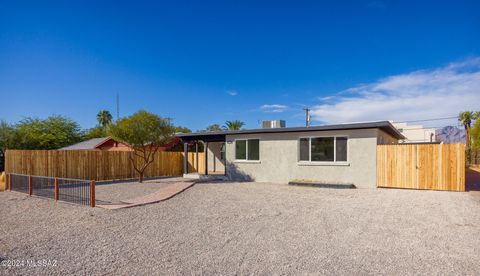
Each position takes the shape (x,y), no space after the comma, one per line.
(253,147)
(241,149)
(341,149)
(247,149)
(304,149)
(222,151)
(323,149)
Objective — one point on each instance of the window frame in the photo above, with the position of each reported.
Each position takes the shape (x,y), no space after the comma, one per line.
(334,162)
(246,160)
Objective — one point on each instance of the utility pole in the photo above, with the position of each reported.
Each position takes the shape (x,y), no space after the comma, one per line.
(118,107)
(307,117)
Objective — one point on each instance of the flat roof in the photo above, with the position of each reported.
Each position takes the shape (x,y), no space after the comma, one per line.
(220,135)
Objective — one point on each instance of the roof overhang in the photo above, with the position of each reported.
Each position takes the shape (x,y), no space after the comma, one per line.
(205,137)
(217,136)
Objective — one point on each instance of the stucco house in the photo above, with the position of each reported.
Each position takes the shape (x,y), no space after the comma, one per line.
(416,133)
(331,154)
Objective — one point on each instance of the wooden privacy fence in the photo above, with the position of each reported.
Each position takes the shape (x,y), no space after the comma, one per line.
(193,165)
(94,164)
(417,166)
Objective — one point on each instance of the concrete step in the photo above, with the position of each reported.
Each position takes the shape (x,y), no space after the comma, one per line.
(203,177)
(322,185)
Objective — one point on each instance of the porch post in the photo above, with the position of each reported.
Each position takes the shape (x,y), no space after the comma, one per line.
(185,158)
(225,157)
(206,158)
(196,156)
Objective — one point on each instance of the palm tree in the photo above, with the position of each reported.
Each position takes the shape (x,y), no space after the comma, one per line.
(476,115)
(466,119)
(104,118)
(233,125)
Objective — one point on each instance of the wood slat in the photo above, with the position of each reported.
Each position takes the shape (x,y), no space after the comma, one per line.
(94,165)
(416,166)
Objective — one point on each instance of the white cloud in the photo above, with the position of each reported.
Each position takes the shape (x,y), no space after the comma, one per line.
(232,93)
(326,98)
(273,108)
(425,94)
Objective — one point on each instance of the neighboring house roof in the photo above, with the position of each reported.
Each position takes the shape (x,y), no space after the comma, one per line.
(86,145)
(97,143)
(218,135)
(106,140)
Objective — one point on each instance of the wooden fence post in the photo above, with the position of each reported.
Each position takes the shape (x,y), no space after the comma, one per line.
(30,186)
(55,184)
(92,193)
(10,182)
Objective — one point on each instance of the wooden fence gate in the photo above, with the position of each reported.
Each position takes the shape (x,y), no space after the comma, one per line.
(421,166)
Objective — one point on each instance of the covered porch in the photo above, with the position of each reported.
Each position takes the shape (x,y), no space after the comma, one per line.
(209,164)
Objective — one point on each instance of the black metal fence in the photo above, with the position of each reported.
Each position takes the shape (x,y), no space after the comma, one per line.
(76,191)
(20,181)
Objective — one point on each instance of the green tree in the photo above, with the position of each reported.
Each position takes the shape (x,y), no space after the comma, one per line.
(104,118)
(7,141)
(180,129)
(144,132)
(51,133)
(475,133)
(213,127)
(233,125)
(96,132)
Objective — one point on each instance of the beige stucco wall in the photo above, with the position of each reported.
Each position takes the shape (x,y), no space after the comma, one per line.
(279,154)
(384,138)
(416,133)
(215,164)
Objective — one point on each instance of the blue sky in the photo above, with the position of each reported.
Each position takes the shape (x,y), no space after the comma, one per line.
(204,62)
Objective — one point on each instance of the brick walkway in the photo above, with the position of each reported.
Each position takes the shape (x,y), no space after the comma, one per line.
(160,195)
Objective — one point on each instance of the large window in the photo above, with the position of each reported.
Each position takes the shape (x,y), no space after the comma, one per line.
(323,149)
(247,149)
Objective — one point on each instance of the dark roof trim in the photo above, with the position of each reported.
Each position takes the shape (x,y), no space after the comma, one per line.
(216,135)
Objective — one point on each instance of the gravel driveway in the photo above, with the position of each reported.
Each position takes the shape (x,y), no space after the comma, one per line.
(249,228)
(123,190)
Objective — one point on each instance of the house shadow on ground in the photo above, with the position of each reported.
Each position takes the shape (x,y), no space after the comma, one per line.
(233,174)
(472,180)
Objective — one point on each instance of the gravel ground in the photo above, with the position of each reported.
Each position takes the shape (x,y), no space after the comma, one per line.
(249,228)
(118,191)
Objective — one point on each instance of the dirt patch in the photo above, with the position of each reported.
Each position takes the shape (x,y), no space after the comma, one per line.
(472,179)
(123,190)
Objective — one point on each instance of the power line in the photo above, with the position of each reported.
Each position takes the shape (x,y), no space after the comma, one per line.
(430,127)
(426,120)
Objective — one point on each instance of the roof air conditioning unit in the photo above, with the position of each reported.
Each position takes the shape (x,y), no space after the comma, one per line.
(273,124)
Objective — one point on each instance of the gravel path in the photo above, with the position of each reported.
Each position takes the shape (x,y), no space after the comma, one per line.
(119,191)
(249,228)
